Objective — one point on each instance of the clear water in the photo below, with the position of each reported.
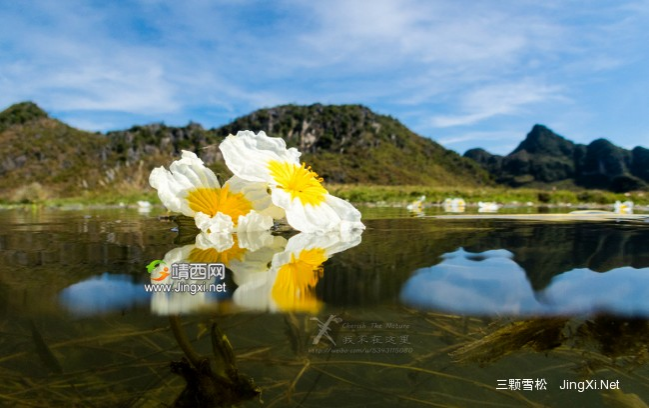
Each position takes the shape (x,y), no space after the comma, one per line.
(417,311)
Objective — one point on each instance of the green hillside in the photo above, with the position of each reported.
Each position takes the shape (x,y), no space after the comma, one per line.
(352,144)
(45,158)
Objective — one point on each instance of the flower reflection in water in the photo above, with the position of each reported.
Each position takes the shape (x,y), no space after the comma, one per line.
(249,252)
(271,273)
(290,282)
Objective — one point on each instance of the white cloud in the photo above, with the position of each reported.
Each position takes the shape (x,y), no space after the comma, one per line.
(477,137)
(500,141)
(456,64)
(442,34)
(89,124)
(498,99)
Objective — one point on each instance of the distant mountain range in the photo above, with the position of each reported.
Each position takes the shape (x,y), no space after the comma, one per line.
(346,144)
(545,158)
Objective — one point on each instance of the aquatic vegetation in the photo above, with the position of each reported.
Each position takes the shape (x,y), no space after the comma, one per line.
(537,334)
(212,381)
(605,341)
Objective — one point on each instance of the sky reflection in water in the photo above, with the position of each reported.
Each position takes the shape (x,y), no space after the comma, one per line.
(104,293)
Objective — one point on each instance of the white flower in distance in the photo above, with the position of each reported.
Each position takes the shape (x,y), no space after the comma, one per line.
(190,188)
(294,187)
(454,205)
(625,207)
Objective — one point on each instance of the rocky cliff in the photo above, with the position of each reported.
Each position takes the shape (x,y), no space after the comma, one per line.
(545,158)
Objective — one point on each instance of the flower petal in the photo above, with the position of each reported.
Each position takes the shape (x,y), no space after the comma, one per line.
(254,221)
(219,224)
(247,154)
(193,168)
(258,194)
(333,214)
(183,175)
(220,242)
(254,294)
(169,191)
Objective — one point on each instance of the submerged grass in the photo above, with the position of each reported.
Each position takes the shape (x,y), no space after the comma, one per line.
(135,369)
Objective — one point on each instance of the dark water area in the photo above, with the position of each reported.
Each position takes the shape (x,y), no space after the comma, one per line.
(415,311)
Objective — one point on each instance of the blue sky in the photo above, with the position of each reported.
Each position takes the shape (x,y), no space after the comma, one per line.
(464,73)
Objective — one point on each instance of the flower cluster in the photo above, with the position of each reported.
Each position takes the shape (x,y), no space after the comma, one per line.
(269,183)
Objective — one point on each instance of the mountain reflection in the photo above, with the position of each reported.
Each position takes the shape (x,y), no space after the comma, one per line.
(492,283)
(544,251)
(533,268)
(526,257)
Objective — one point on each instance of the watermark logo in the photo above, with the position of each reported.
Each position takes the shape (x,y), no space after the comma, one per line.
(361,337)
(191,277)
(153,265)
(197,271)
(325,329)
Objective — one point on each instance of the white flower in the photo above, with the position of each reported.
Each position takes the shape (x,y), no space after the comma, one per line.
(625,207)
(454,205)
(190,188)
(488,207)
(417,206)
(294,187)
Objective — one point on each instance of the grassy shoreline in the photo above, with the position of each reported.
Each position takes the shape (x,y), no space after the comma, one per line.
(404,194)
(373,195)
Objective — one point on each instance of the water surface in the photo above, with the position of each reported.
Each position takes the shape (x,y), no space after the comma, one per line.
(416,311)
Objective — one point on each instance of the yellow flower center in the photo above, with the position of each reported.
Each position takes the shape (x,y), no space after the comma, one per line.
(214,200)
(294,288)
(300,181)
(211,255)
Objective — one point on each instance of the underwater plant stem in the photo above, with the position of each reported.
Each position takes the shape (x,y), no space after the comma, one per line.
(182,340)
